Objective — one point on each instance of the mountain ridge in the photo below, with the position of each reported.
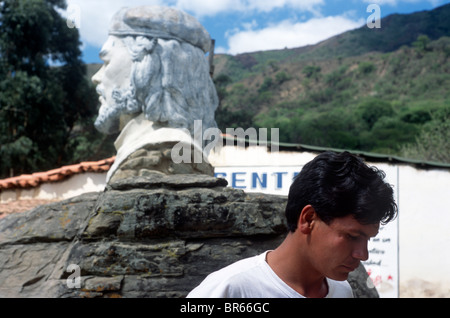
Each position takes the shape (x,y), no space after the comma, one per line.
(376,90)
(433,23)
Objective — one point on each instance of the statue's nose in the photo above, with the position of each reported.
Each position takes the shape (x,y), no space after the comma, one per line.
(96,78)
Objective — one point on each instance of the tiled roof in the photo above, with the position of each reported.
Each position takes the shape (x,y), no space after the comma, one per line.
(35,179)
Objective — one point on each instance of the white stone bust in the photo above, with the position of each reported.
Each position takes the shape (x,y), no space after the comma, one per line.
(155,79)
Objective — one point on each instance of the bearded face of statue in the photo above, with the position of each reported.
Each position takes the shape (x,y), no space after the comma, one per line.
(130,74)
(155,64)
(167,80)
(113,83)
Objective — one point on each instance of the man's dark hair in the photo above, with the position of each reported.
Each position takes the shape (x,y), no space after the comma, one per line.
(337,185)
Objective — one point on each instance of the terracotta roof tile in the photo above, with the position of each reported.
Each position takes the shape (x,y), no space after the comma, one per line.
(35,179)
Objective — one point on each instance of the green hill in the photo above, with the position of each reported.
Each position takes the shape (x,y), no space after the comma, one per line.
(378,90)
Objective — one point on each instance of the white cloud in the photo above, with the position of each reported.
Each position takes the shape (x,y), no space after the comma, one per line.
(394,3)
(213,7)
(269,5)
(382,2)
(290,34)
(96,16)
(209,8)
(220,50)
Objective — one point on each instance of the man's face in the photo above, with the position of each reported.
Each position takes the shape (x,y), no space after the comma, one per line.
(337,248)
(113,76)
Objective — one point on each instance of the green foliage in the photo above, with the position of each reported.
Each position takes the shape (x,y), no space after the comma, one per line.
(417,116)
(372,110)
(312,71)
(442,45)
(40,105)
(273,64)
(325,129)
(388,134)
(221,83)
(433,142)
(366,67)
(323,96)
(17,152)
(337,78)
(422,43)
(233,119)
(268,82)
(282,77)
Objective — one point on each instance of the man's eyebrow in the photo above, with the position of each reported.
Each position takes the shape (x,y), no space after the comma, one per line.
(363,234)
(367,236)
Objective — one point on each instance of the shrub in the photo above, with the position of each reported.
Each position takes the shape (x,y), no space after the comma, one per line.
(366,68)
(374,109)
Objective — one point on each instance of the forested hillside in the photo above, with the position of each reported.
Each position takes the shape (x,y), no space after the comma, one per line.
(379,90)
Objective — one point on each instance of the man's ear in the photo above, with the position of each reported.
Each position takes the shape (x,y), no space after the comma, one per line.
(306,219)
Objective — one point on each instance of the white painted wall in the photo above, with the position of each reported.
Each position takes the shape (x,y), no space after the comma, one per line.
(424,229)
(68,188)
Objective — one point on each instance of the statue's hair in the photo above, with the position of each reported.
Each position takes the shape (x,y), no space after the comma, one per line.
(171,83)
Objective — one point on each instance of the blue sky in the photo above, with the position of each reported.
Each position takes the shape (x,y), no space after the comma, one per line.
(240,26)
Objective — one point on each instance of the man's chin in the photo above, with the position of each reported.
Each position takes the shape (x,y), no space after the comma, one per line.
(340,274)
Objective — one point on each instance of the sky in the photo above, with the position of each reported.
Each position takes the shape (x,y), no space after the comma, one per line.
(241,26)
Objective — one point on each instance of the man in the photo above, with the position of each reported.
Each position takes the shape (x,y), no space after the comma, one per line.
(335,205)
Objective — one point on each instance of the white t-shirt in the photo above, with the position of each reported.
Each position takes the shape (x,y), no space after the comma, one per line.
(254,278)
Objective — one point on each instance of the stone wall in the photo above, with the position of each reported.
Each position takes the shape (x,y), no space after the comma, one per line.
(151,236)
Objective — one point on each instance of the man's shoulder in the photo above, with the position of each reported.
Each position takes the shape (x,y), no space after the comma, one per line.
(230,280)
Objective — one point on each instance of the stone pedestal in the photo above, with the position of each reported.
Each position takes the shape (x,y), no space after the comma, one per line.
(156,159)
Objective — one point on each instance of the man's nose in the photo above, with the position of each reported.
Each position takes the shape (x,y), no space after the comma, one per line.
(361,252)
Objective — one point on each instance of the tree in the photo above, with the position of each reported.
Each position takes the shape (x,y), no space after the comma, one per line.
(43,89)
(374,109)
(433,142)
(421,44)
(312,71)
(366,67)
